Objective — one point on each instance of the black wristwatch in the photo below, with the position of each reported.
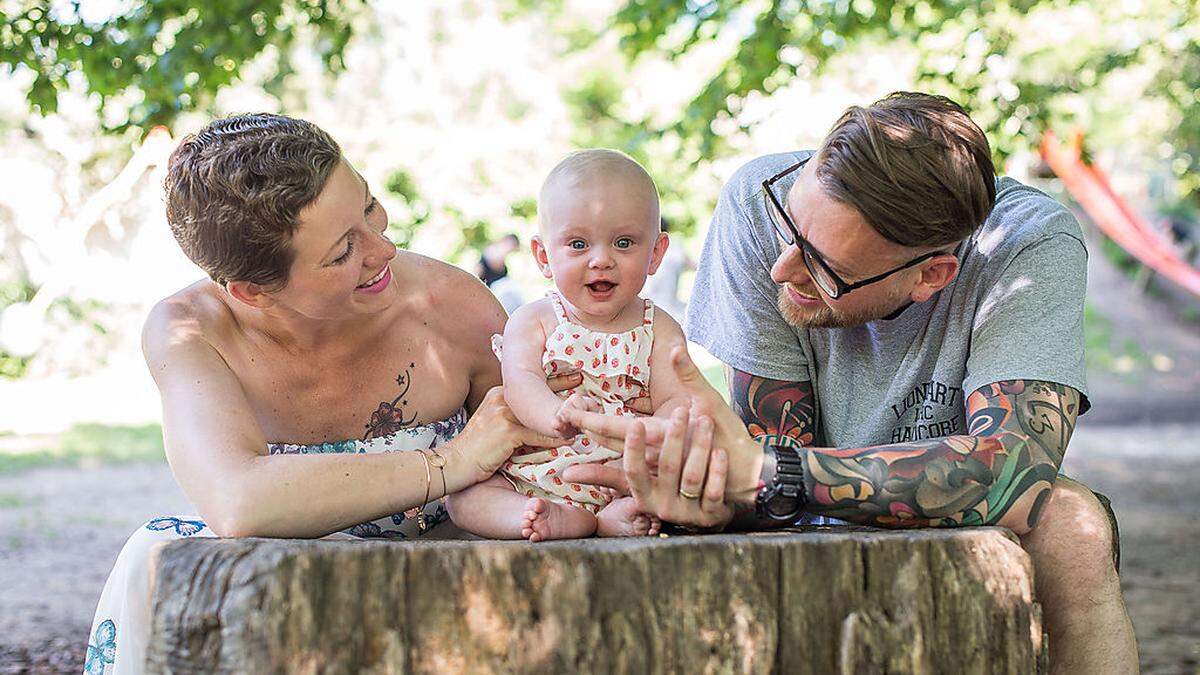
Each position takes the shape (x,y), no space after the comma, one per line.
(783,496)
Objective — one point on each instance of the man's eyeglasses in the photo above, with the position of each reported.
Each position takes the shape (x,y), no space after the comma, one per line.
(833,285)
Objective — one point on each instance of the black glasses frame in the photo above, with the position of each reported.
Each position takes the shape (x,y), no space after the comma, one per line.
(791,235)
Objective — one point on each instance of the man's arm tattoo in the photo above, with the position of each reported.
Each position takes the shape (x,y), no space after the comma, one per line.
(773,407)
(770,409)
(1001,473)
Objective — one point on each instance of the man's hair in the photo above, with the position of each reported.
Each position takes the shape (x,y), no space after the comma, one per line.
(914,165)
(235,191)
(581,165)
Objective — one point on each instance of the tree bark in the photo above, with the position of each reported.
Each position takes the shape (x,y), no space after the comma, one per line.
(858,601)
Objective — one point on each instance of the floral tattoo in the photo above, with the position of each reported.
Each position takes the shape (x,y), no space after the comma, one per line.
(773,407)
(390,417)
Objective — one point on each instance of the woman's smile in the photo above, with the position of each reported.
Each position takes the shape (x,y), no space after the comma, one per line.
(376,283)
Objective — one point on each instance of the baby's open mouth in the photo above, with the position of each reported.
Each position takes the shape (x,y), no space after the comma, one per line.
(601,286)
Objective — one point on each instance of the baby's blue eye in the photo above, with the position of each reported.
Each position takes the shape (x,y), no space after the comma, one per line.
(624,242)
(577,244)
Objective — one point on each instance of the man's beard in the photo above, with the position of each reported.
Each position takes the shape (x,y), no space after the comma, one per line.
(825,317)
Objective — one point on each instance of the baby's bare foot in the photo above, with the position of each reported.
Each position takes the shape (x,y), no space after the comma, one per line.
(621,518)
(545,520)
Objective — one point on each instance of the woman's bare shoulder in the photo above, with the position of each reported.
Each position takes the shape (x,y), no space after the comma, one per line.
(452,295)
(434,273)
(195,316)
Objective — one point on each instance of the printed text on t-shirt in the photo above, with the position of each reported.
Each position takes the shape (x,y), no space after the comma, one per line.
(927,402)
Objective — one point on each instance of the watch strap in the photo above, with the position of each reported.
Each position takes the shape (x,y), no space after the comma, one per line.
(782,480)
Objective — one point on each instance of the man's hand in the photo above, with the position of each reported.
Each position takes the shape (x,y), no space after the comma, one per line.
(562,425)
(729,434)
(687,491)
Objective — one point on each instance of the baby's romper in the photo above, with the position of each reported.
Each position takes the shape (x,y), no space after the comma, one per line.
(616,370)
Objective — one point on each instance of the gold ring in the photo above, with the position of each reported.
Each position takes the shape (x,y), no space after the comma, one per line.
(688,495)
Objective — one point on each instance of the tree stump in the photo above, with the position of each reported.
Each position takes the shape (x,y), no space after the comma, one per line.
(803,601)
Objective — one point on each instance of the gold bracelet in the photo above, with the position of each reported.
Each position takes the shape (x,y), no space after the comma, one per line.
(440,462)
(428,477)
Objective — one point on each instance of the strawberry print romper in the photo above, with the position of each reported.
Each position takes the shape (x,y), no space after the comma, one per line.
(616,370)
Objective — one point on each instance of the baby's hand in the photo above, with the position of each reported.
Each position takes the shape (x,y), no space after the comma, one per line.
(576,401)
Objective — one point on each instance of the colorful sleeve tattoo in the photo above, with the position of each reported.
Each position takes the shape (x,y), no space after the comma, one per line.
(1000,473)
(773,407)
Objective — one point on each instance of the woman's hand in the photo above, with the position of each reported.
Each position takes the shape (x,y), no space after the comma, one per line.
(490,437)
(744,454)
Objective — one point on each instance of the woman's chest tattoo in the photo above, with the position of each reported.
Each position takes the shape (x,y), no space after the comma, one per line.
(392,416)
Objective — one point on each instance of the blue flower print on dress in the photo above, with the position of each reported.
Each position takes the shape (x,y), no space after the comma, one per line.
(102,650)
(366,530)
(184,528)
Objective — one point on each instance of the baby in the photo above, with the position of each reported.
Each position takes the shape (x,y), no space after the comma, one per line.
(599,238)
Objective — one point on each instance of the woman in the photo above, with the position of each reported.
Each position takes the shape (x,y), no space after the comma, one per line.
(314,352)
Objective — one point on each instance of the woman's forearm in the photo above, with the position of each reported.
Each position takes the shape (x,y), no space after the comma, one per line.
(303,496)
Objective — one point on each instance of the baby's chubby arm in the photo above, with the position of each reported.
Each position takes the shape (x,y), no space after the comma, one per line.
(525,388)
(666,392)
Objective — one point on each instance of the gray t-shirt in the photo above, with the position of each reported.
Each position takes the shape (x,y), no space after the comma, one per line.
(1015,311)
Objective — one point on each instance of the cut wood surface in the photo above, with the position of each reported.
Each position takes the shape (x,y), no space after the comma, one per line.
(803,601)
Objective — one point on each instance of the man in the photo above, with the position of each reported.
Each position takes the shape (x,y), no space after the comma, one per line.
(906,355)
(492,270)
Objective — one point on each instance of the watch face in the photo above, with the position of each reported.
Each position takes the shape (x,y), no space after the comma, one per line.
(782,506)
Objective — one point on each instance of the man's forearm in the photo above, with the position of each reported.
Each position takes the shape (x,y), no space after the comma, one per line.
(772,410)
(773,407)
(1001,474)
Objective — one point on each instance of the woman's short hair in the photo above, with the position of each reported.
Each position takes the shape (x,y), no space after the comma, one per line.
(914,165)
(235,191)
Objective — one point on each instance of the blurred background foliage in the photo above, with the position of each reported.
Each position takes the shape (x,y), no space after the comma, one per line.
(146,62)
(1020,66)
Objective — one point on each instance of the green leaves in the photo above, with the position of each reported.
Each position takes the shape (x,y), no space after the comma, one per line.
(413,212)
(159,58)
(1019,66)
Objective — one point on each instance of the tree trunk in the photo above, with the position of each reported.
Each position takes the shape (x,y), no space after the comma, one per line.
(857,601)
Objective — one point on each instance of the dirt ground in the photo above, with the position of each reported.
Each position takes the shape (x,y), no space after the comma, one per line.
(62,528)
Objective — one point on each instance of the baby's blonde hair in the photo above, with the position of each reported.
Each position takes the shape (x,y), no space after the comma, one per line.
(581,165)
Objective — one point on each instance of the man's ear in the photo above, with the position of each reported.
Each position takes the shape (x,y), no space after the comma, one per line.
(539,256)
(936,274)
(250,293)
(660,249)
